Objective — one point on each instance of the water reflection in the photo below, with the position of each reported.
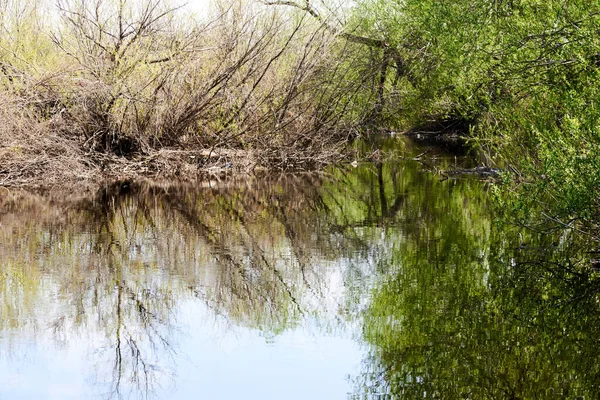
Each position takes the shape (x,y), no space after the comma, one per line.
(116,271)
(494,313)
(285,283)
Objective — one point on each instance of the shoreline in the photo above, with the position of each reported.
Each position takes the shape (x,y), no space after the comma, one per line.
(86,173)
(173,165)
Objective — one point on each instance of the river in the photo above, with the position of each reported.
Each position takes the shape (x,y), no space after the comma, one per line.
(383,280)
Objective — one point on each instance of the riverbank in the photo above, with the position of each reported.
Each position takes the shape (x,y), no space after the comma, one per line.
(76,174)
(63,164)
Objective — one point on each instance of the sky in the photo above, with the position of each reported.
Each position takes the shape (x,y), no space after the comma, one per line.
(200,7)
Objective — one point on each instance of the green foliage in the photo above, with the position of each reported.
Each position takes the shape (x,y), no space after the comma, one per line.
(523,74)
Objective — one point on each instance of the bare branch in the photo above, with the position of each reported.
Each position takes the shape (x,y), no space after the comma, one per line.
(314,13)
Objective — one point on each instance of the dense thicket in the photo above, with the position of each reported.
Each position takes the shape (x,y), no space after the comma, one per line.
(141,86)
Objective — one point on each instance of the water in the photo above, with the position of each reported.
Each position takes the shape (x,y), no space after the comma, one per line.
(377,282)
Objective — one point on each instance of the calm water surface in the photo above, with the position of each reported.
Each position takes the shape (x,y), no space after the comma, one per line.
(382,281)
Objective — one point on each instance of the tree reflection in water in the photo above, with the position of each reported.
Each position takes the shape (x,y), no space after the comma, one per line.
(449,304)
(113,269)
(469,309)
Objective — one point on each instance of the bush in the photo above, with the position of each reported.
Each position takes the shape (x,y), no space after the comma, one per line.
(131,78)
